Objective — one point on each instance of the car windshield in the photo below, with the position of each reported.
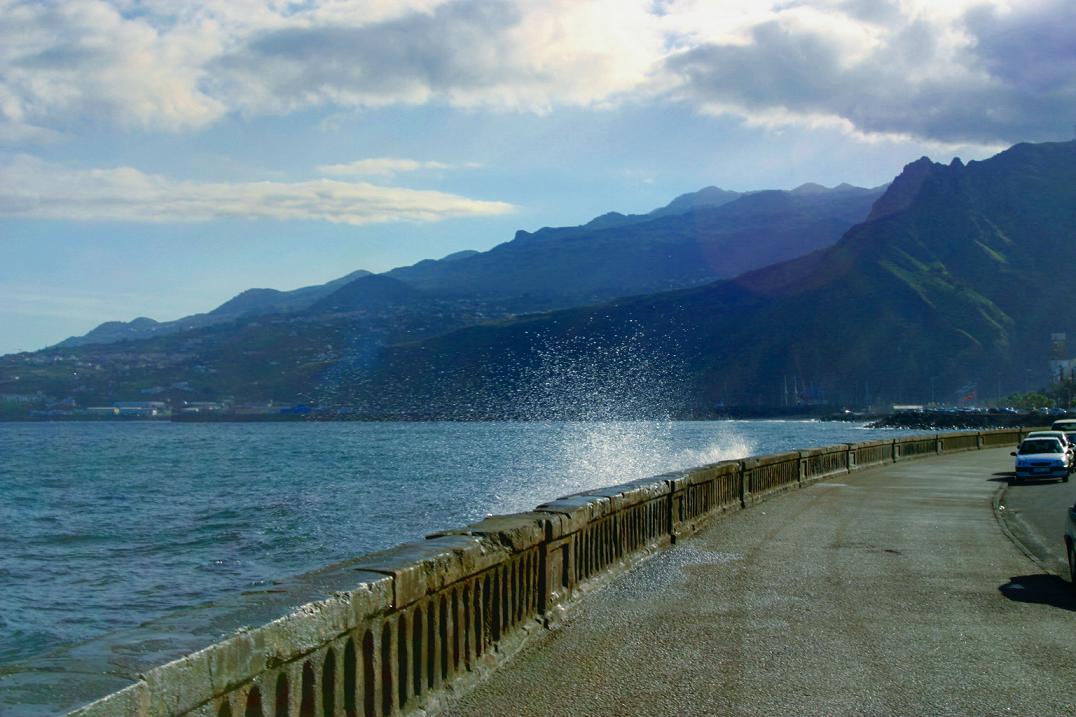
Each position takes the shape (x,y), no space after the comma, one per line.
(1046,434)
(1041,445)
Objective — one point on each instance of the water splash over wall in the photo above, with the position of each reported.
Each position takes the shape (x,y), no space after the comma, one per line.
(610,403)
(601,453)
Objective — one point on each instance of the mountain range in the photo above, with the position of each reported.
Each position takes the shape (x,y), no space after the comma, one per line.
(952,276)
(957,279)
(698,237)
(251,302)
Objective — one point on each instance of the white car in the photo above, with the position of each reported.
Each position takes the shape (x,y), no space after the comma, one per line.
(1059,435)
(1043,457)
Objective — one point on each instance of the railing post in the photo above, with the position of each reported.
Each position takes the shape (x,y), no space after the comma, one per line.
(677,494)
(745,493)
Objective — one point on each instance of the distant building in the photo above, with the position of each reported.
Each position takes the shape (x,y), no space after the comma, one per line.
(143,412)
(144,409)
(255,409)
(203,407)
(1061,365)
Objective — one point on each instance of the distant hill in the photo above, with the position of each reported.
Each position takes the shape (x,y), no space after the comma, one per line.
(111,331)
(252,302)
(707,197)
(367,292)
(268,301)
(697,238)
(957,281)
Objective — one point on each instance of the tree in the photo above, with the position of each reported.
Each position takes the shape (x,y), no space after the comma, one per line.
(1029,401)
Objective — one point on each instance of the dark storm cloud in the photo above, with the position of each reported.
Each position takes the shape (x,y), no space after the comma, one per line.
(1014,82)
(1032,49)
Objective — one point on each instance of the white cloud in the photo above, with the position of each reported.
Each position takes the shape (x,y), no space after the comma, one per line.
(65,61)
(386,167)
(529,55)
(983,71)
(941,72)
(183,64)
(32,188)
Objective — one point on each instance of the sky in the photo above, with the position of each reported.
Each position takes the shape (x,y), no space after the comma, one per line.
(158,157)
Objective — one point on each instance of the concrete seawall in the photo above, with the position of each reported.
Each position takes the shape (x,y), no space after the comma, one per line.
(426,620)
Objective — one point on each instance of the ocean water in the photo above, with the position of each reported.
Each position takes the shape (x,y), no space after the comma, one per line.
(106,526)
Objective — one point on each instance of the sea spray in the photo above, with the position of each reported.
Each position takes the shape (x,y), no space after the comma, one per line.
(609,404)
(595,377)
(593,454)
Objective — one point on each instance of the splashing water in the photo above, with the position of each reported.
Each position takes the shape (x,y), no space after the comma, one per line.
(597,454)
(610,401)
(594,378)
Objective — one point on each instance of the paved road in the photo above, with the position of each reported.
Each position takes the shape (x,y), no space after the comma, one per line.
(1035,513)
(888,592)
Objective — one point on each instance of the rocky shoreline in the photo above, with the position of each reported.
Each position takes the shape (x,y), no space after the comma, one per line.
(948,420)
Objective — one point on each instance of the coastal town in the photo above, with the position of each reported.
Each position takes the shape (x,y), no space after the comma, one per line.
(38,406)
(178,400)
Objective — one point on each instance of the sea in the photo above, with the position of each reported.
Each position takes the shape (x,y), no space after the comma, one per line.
(108,526)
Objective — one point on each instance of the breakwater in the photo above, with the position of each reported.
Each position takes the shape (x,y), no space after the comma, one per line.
(426,619)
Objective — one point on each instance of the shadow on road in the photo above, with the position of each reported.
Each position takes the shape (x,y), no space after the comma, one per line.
(1010,478)
(1042,589)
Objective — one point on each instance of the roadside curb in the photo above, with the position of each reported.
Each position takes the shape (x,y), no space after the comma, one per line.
(1001,514)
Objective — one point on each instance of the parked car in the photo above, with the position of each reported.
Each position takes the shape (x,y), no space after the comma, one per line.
(1065,424)
(1070,544)
(1061,436)
(1045,457)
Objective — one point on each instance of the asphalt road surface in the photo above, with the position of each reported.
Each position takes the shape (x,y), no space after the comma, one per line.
(1035,512)
(894,591)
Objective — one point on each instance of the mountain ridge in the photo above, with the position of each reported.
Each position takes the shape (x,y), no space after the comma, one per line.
(920,294)
(250,302)
(628,255)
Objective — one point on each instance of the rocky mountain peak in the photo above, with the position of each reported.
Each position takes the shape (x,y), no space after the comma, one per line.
(903,190)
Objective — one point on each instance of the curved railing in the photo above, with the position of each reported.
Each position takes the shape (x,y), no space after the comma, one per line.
(425,620)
